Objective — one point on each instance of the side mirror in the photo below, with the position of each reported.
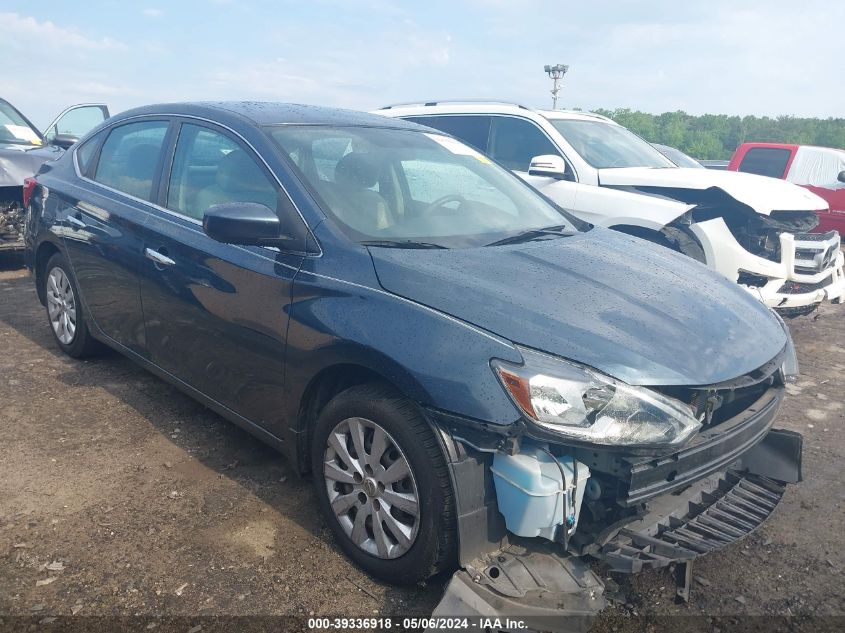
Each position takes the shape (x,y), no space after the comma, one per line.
(243,223)
(549,166)
(63,140)
(841,176)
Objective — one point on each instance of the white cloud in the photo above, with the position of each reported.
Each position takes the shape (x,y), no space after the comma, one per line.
(351,70)
(152,13)
(760,56)
(22,31)
(736,60)
(58,66)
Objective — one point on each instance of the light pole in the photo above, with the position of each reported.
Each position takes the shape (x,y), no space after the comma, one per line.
(556,73)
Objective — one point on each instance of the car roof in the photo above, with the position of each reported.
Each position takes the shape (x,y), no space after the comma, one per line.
(486,107)
(576,115)
(815,148)
(269,113)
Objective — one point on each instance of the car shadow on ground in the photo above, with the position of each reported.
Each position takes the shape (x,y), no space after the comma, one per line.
(11,260)
(202,436)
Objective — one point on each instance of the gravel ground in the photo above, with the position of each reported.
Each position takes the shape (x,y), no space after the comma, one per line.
(119,496)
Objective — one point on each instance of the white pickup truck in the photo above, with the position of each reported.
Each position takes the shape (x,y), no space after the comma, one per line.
(752,229)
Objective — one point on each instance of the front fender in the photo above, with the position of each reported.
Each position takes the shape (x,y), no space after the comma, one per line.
(434,359)
(611,207)
(607,207)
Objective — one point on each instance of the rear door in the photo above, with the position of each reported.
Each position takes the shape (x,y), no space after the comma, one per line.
(217,314)
(119,169)
(472,129)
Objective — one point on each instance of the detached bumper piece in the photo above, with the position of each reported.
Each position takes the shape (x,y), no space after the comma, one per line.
(721,510)
(537,587)
(714,450)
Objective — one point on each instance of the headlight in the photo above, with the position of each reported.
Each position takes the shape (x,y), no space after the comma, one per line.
(789,367)
(581,404)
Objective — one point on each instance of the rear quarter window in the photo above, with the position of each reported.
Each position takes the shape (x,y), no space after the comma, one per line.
(766,161)
(86,152)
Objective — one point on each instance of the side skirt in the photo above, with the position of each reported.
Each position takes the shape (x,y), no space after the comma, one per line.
(223,411)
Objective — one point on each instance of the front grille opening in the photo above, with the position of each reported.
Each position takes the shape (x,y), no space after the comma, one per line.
(815,237)
(715,405)
(750,279)
(797,287)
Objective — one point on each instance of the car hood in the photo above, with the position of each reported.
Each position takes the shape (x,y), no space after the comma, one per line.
(21,161)
(606,206)
(638,312)
(762,194)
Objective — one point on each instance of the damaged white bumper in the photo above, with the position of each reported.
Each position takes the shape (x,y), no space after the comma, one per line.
(811,267)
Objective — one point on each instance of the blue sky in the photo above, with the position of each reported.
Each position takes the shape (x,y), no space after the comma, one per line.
(752,57)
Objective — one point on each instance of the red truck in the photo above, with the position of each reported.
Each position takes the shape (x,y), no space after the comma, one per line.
(819,169)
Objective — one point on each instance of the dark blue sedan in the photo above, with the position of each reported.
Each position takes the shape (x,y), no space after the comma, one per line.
(458,362)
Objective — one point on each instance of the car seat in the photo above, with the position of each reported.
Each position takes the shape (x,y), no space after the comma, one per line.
(238,179)
(361,208)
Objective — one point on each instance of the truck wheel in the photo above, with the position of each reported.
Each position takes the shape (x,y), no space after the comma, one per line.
(64,310)
(383,485)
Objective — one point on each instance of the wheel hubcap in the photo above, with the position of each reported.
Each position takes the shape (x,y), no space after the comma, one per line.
(371,488)
(61,306)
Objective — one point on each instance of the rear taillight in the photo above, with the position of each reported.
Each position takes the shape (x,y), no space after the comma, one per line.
(29,185)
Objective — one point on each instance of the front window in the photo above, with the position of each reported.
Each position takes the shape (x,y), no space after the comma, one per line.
(398,186)
(78,121)
(14,129)
(605,145)
(514,142)
(210,168)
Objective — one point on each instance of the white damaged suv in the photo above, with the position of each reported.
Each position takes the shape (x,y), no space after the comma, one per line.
(752,229)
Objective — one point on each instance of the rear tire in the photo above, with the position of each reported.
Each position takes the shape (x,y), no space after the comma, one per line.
(65,313)
(398,527)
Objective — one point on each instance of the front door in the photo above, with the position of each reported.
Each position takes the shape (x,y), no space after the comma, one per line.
(216,314)
(75,122)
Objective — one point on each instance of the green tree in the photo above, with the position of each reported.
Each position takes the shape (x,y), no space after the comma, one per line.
(716,136)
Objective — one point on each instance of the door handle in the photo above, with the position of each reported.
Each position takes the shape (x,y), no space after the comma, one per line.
(75,222)
(158,258)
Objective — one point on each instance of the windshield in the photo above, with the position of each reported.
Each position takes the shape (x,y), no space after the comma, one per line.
(412,188)
(14,128)
(605,145)
(678,157)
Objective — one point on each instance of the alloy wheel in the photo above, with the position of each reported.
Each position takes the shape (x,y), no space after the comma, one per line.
(61,306)
(371,488)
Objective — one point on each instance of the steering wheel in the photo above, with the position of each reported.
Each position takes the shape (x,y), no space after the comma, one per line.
(452,197)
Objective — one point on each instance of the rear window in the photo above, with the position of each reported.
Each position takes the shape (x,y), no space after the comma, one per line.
(766,161)
(129,157)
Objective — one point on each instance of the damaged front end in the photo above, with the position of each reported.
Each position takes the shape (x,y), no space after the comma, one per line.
(12,217)
(535,508)
(774,256)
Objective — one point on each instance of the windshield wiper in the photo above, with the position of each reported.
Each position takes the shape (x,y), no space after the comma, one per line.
(532,234)
(401,244)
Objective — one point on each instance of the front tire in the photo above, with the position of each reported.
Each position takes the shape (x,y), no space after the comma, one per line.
(64,310)
(383,485)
